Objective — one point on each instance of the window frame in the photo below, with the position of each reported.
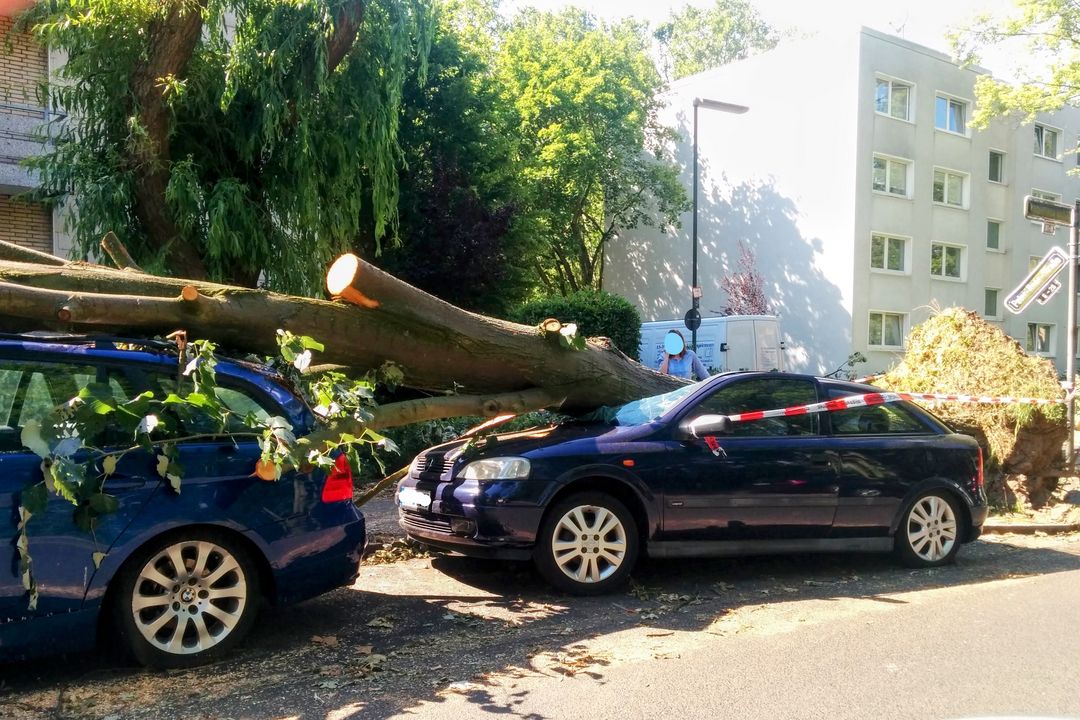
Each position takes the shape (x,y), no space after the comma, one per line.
(894,81)
(1000,224)
(905,254)
(962,277)
(816,425)
(964,104)
(1040,152)
(1051,339)
(1001,166)
(997,303)
(883,313)
(965,188)
(909,167)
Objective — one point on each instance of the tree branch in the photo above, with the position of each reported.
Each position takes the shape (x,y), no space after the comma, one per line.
(347,19)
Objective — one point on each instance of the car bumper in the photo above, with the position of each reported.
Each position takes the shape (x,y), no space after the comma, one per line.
(312,563)
(435,529)
(978,518)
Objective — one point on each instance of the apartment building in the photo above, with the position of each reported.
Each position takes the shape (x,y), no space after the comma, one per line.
(865,194)
(24,69)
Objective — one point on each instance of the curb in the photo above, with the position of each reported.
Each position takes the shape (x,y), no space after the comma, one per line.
(1005,528)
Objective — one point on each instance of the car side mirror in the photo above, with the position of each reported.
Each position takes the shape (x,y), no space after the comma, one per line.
(703,425)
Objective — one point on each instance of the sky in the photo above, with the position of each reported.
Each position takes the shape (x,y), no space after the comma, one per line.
(922,21)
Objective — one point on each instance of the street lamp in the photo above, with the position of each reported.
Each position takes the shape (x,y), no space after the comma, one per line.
(695,293)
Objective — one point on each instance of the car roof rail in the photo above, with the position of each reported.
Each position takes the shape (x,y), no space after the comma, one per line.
(85,339)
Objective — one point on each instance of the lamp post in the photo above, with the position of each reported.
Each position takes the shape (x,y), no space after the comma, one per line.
(695,293)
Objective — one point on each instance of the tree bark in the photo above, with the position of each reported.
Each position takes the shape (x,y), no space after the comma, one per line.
(347,19)
(438,346)
(171,40)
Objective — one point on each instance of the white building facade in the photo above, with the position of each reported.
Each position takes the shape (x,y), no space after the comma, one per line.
(867,198)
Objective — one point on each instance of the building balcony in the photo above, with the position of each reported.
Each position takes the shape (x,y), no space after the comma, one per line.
(20,128)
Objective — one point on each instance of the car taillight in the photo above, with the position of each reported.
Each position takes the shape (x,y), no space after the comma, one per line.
(979,477)
(339,485)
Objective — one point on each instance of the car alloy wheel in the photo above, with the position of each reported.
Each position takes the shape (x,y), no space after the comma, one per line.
(930,532)
(190,599)
(588,544)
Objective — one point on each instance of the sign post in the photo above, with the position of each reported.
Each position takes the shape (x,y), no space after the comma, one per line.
(1053,214)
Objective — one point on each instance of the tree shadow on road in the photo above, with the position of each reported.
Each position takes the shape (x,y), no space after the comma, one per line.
(413,634)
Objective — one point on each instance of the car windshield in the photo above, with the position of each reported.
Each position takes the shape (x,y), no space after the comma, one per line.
(639,412)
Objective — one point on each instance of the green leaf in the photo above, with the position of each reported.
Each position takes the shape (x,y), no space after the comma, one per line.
(162,465)
(311,343)
(31,438)
(34,498)
(108,464)
(97,557)
(103,504)
(174,483)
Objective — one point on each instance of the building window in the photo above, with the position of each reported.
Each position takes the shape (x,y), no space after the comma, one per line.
(949,187)
(993,235)
(891,175)
(893,98)
(990,302)
(888,253)
(1045,195)
(886,329)
(1046,142)
(997,167)
(1040,338)
(950,114)
(946,261)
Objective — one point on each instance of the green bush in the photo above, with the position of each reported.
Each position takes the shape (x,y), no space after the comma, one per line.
(596,313)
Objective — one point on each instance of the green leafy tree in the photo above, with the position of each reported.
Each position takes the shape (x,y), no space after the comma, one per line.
(581,99)
(694,39)
(460,214)
(229,139)
(1051,31)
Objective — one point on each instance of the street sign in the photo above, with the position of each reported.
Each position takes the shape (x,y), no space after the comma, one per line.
(1040,283)
(1047,211)
(692,319)
(696,292)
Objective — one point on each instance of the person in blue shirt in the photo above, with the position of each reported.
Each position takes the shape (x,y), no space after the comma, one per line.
(683,362)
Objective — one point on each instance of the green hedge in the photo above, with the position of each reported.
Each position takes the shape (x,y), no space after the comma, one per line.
(596,313)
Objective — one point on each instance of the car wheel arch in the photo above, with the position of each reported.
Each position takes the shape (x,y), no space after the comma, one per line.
(619,489)
(267,584)
(936,483)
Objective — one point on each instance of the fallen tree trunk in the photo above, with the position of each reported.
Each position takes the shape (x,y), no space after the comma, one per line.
(487,364)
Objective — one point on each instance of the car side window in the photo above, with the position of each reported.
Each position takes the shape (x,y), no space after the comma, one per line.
(763,393)
(30,390)
(240,401)
(888,419)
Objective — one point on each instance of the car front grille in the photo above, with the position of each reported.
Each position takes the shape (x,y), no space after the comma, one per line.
(431,463)
(426,522)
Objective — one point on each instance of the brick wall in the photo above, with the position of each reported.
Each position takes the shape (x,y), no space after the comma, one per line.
(26,224)
(23,66)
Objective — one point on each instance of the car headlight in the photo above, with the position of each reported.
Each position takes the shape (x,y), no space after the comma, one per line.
(505,468)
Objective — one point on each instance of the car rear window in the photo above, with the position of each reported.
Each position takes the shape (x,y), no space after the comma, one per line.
(888,419)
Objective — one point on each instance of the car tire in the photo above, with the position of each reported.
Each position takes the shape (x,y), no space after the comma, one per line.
(930,530)
(185,599)
(587,545)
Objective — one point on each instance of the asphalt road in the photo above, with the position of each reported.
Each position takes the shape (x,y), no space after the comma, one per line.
(799,637)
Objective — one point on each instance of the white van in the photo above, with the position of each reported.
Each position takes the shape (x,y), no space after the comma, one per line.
(734,342)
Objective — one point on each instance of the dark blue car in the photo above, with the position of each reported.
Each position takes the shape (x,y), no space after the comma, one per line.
(584,499)
(183,574)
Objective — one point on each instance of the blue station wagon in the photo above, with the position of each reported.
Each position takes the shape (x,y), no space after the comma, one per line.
(583,499)
(183,574)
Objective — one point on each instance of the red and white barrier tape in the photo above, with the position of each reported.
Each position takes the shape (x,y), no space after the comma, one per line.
(878,398)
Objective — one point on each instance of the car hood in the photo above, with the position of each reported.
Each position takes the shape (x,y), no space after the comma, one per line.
(568,438)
